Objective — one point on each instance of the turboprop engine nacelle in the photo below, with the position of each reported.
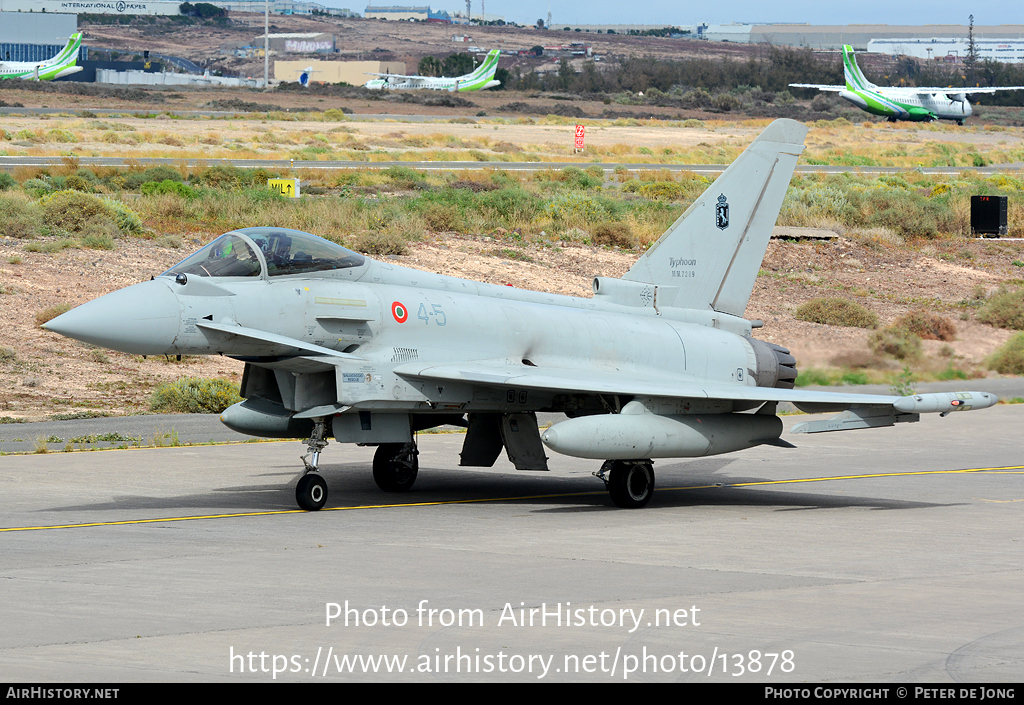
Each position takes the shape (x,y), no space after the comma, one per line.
(636,433)
(852,97)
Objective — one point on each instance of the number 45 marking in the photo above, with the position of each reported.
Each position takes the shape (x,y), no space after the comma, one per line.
(425,315)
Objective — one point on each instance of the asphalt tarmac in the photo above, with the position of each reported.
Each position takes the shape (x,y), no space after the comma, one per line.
(892,555)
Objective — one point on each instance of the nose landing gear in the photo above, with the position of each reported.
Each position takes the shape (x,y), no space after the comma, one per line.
(311,490)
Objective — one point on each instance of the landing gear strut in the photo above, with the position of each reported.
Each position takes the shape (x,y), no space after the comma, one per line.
(630,482)
(311,490)
(395,466)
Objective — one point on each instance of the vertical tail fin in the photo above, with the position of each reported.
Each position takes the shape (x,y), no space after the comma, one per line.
(486,68)
(855,79)
(69,54)
(712,253)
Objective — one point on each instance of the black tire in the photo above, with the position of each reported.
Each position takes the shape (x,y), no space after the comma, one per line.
(631,483)
(395,466)
(311,492)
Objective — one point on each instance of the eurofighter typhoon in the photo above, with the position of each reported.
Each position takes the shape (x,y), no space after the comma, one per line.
(657,364)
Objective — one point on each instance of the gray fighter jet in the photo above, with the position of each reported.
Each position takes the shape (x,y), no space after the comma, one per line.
(657,364)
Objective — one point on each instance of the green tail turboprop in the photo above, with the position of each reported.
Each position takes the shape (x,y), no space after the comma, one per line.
(61,65)
(920,104)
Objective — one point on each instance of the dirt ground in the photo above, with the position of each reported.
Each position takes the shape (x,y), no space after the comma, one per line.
(53,375)
(360,39)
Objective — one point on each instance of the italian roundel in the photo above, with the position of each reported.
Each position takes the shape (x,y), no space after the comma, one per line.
(399,311)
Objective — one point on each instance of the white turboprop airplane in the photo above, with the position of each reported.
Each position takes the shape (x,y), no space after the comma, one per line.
(63,64)
(481,77)
(914,104)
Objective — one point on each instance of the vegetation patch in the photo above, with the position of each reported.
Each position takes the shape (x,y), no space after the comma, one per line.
(1004,309)
(896,341)
(18,219)
(195,395)
(927,325)
(1009,359)
(48,314)
(615,235)
(837,312)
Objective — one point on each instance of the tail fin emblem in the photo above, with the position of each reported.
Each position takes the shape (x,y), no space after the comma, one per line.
(722,213)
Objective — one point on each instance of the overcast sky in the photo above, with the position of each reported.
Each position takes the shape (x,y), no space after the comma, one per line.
(664,12)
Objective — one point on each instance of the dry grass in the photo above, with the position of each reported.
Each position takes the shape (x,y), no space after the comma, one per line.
(294,135)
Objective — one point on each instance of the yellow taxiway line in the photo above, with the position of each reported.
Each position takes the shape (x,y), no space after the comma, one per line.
(1014,469)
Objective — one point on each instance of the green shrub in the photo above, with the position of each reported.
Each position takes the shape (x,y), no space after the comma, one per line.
(159,188)
(1009,359)
(951,373)
(53,245)
(1004,309)
(440,217)
(195,395)
(615,234)
(134,179)
(36,187)
(574,208)
(98,241)
(854,378)
(229,177)
(381,242)
(662,190)
(71,210)
(513,206)
(896,341)
(127,220)
(18,218)
(927,325)
(813,378)
(405,178)
(726,102)
(577,178)
(906,212)
(7,181)
(334,115)
(48,314)
(77,183)
(837,312)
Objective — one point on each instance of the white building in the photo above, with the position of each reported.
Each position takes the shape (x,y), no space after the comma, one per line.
(280,7)
(98,7)
(951,48)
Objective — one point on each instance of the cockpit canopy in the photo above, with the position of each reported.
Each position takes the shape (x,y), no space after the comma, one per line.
(245,253)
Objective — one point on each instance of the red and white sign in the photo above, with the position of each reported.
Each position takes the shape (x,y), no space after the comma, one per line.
(400,312)
(579,136)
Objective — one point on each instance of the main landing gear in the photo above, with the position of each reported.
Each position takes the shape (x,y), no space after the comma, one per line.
(630,482)
(395,466)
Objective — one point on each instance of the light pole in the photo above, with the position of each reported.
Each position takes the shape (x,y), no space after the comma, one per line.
(266,44)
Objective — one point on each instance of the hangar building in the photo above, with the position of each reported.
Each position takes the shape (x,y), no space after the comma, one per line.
(857,35)
(34,36)
(354,73)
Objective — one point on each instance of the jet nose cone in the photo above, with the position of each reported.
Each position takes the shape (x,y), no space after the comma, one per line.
(141,319)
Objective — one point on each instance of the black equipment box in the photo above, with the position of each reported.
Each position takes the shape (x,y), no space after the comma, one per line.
(988,215)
